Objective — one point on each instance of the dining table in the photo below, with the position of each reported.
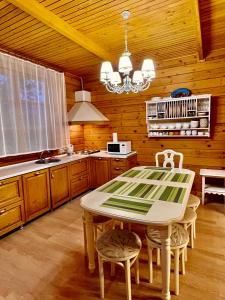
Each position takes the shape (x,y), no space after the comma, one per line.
(149,195)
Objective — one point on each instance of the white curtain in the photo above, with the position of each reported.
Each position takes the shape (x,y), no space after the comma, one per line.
(33,113)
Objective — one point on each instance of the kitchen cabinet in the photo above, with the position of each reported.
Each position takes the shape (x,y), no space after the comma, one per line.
(101,172)
(11,204)
(179,117)
(105,169)
(120,165)
(79,179)
(36,193)
(60,184)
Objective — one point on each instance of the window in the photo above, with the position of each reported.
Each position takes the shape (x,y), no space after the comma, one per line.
(32,107)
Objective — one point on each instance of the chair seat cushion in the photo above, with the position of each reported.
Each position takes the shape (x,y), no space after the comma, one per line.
(118,244)
(189,216)
(178,239)
(193,201)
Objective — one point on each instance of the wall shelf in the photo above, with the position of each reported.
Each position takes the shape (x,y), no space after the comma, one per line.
(179,117)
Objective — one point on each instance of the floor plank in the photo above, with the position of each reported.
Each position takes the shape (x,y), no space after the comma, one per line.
(45,261)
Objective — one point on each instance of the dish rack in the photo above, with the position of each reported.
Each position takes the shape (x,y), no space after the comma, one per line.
(179,117)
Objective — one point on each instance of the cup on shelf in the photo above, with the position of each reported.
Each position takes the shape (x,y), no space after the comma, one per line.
(178,126)
(182,132)
(194,132)
(185,125)
(194,124)
(188,132)
(200,133)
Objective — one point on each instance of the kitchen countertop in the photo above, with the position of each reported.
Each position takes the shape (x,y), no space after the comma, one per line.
(31,166)
(109,155)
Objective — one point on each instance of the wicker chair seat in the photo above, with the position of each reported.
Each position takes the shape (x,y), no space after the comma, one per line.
(179,237)
(118,245)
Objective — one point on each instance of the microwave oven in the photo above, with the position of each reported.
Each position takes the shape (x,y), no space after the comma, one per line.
(119,147)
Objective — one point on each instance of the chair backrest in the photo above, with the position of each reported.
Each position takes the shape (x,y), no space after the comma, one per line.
(169,158)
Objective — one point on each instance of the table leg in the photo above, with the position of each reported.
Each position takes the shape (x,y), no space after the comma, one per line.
(165,233)
(90,240)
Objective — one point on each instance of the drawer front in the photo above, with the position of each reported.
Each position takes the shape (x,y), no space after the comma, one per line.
(10,191)
(11,216)
(116,171)
(79,167)
(118,162)
(79,185)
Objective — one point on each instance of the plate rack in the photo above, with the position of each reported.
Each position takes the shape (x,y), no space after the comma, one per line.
(179,117)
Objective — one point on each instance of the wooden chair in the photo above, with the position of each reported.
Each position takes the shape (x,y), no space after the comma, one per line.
(178,243)
(169,158)
(119,247)
(100,224)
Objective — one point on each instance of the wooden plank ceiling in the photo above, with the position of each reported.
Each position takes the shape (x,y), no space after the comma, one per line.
(158,29)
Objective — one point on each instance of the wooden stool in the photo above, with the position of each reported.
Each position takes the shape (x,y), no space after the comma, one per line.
(193,202)
(188,220)
(178,242)
(120,247)
(100,222)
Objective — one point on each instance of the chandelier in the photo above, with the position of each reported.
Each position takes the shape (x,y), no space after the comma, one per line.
(141,78)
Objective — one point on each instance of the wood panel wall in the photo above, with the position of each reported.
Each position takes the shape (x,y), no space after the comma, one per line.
(127,115)
(76,131)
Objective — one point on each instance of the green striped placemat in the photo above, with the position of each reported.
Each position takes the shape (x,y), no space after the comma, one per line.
(146,174)
(158,168)
(137,207)
(178,177)
(131,189)
(169,193)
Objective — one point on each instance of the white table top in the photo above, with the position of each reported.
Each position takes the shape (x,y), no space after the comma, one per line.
(163,196)
(212,172)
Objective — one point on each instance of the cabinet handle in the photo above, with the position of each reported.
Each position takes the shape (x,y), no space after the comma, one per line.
(37,173)
(52,176)
(99,158)
(117,168)
(2,211)
(117,159)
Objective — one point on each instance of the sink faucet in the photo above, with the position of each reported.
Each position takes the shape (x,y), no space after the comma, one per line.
(43,153)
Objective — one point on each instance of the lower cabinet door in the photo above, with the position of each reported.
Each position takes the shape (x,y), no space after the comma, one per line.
(79,184)
(60,184)
(11,217)
(101,171)
(36,193)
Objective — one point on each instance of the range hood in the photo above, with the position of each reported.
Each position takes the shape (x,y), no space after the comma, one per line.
(84,112)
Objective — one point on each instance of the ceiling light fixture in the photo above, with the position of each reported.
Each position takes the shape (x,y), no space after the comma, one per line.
(141,78)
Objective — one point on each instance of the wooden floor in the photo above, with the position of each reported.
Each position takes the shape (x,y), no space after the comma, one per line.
(45,260)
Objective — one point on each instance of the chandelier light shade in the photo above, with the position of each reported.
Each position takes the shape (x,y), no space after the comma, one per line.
(138,82)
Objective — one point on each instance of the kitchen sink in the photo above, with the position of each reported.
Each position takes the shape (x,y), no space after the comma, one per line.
(47,160)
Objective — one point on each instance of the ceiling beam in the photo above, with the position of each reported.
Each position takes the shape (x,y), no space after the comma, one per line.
(198,30)
(38,11)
